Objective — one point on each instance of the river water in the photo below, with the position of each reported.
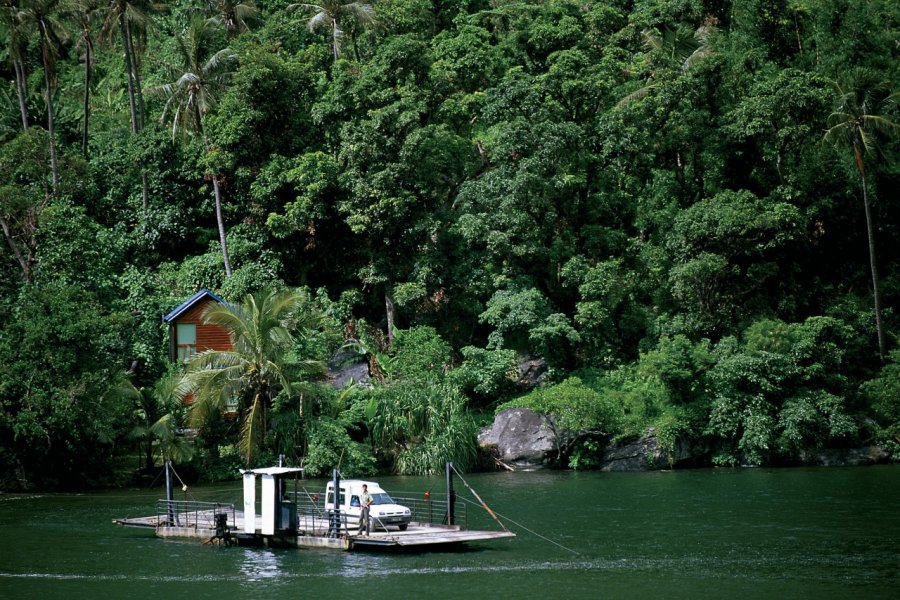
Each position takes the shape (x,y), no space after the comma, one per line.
(750,533)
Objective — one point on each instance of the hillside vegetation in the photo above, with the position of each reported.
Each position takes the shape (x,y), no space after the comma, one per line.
(687,209)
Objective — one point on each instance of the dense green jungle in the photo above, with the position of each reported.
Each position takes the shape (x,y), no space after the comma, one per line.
(684,210)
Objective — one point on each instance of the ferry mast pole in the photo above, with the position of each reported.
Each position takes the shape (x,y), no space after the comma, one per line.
(170,506)
(334,530)
(451,495)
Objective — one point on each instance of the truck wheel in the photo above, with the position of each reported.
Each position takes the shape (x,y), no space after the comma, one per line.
(403,527)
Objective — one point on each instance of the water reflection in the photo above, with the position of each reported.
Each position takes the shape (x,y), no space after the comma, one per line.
(816,534)
(260,564)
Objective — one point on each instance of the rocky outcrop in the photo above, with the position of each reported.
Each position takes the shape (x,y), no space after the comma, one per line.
(522,438)
(643,454)
(530,372)
(347,365)
(846,457)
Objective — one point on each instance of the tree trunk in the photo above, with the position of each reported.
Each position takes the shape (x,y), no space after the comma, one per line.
(135,98)
(87,92)
(334,39)
(123,26)
(54,167)
(149,455)
(21,92)
(139,93)
(389,310)
(136,73)
(24,264)
(48,95)
(870,229)
(221,223)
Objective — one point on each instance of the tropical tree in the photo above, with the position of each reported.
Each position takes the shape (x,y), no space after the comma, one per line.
(131,18)
(671,50)
(234,16)
(42,15)
(333,15)
(86,15)
(263,363)
(199,80)
(158,420)
(15,30)
(23,195)
(858,119)
(421,425)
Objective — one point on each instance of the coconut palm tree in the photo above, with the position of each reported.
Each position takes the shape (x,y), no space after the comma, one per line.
(200,77)
(235,16)
(86,15)
(42,15)
(670,50)
(856,123)
(16,33)
(333,15)
(131,19)
(261,364)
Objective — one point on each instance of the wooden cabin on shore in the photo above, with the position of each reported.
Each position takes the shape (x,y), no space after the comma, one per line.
(188,334)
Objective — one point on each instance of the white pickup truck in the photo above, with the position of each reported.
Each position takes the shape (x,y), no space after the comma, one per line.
(383,513)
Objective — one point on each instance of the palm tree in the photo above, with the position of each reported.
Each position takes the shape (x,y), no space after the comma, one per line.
(234,16)
(331,14)
(856,122)
(200,78)
(16,33)
(158,422)
(261,365)
(41,13)
(85,14)
(678,49)
(131,18)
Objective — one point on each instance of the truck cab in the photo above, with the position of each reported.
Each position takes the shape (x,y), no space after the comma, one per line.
(383,513)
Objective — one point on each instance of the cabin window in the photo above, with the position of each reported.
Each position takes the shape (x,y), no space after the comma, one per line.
(186,340)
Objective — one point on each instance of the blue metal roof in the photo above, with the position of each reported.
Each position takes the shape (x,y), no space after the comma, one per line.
(201,295)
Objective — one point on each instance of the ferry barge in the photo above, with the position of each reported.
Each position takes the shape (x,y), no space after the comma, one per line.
(296,518)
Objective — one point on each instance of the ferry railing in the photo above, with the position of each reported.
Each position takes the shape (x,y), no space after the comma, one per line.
(433,512)
(313,518)
(193,514)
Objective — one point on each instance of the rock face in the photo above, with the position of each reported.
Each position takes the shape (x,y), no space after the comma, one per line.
(643,454)
(346,365)
(522,437)
(847,457)
(530,372)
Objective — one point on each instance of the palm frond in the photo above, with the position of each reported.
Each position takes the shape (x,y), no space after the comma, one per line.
(164,428)
(252,430)
(320,19)
(363,13)
(636,95)
(222,59)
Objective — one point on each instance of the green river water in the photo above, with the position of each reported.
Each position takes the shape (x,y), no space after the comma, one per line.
(751,533)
